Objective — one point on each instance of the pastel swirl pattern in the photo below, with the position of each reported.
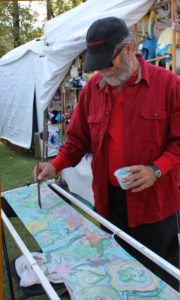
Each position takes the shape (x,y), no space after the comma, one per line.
(89,261)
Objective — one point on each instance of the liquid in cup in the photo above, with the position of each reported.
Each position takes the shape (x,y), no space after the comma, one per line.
(120,174)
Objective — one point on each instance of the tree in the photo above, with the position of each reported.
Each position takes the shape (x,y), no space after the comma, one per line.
(61,6)
(16,29)
(50,13)
(16,26)
(17,22)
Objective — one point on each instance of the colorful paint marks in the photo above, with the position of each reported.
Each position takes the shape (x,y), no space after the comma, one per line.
(89,261)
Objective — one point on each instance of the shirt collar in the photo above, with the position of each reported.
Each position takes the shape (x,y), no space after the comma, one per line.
(143,74)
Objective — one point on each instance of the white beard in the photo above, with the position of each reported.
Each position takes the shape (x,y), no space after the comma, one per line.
(122,74)
(114,81)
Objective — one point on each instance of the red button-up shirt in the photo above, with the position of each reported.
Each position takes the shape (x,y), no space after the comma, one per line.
(151,123)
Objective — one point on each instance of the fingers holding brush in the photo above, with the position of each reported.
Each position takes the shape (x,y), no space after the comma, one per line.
(45,170)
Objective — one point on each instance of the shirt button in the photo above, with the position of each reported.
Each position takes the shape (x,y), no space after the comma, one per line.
(156,114)
(102,132)
(107,113)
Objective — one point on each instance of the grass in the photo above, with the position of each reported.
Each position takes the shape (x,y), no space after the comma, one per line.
(16,168)
(16,171)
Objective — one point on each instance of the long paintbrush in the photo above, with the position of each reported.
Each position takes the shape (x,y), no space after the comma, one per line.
(38,185)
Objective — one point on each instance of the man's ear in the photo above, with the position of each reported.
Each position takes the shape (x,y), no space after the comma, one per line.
(129,49)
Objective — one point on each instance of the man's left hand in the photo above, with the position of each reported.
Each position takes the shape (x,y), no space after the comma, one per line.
(143,177)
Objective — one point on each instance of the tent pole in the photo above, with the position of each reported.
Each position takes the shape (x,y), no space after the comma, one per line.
(45,137)
(173,38)
(136,35)
(153,7)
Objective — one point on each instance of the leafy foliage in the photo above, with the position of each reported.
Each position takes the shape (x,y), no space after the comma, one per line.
(17,22)
(61,6)
(8,27)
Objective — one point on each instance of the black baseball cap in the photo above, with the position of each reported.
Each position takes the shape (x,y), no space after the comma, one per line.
(101,38)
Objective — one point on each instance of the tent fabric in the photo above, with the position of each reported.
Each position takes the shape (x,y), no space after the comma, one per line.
(22,50)
(40,66)
(19,76)
(79,179)
(16,107)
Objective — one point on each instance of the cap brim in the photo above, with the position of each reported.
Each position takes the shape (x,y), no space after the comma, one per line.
(97,61)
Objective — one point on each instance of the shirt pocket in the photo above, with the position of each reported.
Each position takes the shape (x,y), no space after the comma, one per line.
(94,128)
(154,125)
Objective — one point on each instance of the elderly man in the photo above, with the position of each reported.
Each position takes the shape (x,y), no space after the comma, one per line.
(128,114)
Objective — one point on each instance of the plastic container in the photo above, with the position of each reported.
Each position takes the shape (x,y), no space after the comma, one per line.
(121,174)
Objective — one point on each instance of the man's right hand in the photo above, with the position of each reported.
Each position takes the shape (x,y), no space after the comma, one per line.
(46,170)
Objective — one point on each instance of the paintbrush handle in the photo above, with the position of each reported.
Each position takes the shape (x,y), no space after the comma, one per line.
(38,183)
(37,170)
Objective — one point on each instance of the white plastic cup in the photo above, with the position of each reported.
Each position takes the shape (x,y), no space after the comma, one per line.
(121,174)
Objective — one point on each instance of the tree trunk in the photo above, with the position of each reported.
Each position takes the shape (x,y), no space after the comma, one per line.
(50,14)
(74,4)
(15,15)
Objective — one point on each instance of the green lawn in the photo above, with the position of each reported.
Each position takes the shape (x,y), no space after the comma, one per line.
(16,168)
(16,171)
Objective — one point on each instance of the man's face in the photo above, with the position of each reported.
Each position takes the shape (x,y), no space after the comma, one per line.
(121,70)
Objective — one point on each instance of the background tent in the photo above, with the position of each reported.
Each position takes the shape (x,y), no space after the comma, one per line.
(19,78)
(35,70)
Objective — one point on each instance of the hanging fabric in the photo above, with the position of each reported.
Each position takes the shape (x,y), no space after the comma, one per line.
(164,48)
(149,47)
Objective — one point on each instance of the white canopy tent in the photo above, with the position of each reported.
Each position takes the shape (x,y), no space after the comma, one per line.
(36,69)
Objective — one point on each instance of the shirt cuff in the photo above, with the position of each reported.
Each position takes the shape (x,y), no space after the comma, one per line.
(60,162)
(167,162)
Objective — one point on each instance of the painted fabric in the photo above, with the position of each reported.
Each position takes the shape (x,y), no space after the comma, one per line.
(164,47)
(149,47)
(88,260)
